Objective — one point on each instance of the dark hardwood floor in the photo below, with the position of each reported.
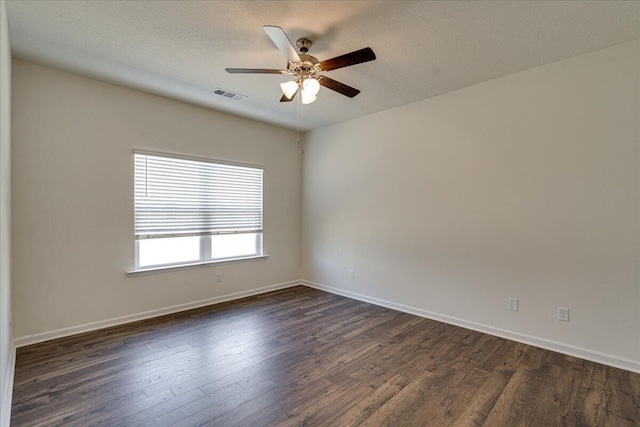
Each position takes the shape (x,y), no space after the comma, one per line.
(301,357)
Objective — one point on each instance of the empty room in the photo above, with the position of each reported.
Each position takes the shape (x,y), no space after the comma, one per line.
(319,213)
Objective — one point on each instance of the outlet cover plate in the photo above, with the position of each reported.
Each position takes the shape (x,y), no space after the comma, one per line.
(563,314)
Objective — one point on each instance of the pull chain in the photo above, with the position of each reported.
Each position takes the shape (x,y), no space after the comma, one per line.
(300,135)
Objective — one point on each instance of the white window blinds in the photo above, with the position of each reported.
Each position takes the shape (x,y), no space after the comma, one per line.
(177,196)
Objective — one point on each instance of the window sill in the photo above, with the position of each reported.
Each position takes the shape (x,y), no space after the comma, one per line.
(169,268)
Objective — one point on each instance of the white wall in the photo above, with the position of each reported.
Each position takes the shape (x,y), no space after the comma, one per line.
(73,198)
(6,351)
(526,186)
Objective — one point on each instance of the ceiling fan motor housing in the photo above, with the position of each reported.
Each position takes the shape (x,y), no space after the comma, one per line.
(306,67)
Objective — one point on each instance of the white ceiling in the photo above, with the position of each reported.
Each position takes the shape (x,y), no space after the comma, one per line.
(180,49)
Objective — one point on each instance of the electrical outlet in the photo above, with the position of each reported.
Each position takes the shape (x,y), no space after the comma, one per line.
(513,304)
(218,277)
(563,314)
(352,274)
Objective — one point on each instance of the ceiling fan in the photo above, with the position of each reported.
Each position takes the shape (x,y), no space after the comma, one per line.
(306,69)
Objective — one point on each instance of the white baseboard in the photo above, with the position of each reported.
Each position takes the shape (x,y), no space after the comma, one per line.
(7,390)
(87,327)
(583,353)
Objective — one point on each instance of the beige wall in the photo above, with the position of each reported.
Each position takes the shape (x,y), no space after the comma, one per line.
(526,186)
(6,351)
(73,198)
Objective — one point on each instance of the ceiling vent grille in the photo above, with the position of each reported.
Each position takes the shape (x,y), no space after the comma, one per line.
(225,93)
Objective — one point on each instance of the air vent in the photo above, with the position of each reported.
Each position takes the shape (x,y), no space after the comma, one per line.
(227,94)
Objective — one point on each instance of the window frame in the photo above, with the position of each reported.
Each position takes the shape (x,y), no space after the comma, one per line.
(205,239)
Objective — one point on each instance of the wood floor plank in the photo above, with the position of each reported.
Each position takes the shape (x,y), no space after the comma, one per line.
(397,410)
(300,414)
(456,394)
(156,411)
(359,412)
(300,356)
(481,404)
(510,407)
(236,407)
(201,403)
(620,394)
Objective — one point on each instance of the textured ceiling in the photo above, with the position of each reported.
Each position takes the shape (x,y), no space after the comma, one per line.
(180,49)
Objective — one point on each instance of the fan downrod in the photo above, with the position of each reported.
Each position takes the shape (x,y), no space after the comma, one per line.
(304,45)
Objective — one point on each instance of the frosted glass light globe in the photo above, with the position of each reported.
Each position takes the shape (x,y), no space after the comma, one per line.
(307,97)
(289,88)
(311,85)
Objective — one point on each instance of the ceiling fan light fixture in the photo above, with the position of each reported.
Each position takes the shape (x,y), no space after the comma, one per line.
(306,68)
(307,97)
(289,88)
(311,86)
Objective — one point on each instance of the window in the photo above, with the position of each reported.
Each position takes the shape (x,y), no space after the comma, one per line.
(194,211)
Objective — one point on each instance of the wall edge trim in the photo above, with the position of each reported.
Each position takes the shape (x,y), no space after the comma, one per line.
(7,390)
(101,324)
(580,352)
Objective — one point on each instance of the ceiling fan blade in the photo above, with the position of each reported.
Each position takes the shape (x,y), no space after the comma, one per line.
(255,71)
(353,58)
(338,87)
(285,99)
(282,42)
